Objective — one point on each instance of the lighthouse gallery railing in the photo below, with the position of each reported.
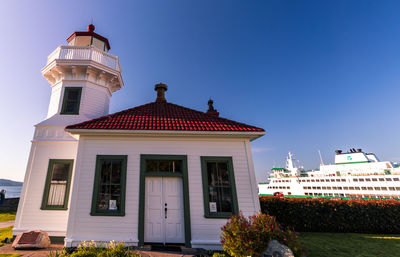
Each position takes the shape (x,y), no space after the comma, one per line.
(90,53)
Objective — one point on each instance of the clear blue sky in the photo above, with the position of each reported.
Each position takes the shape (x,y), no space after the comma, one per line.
(314,74)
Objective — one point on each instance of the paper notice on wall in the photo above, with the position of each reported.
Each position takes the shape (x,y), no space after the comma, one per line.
(112,205)
(213,207)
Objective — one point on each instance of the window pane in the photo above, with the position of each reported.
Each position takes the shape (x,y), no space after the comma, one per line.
(60,172)
(151,166)
(71,100)
(58,184)
(220,194)
(71,107)
(225,200)
(163,166)
(223,177)
(56,194)
(73,94)
(116,172)
(212,173)
(109,194)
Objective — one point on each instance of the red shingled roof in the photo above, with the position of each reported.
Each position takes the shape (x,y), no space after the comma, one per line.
(164,116)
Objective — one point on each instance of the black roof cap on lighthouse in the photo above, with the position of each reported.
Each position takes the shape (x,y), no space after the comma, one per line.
(90,33)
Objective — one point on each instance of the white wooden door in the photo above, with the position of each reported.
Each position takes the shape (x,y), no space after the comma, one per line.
(164,219)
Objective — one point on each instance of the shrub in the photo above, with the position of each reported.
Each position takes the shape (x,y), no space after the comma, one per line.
(250,237)
(93,249)
(219,255)
(326,215)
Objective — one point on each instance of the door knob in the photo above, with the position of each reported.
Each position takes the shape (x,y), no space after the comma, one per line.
(165,209)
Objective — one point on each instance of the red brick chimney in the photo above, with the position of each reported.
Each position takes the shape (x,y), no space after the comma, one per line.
(160,88)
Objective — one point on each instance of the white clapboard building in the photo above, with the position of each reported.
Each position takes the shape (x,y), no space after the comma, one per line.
(156,173)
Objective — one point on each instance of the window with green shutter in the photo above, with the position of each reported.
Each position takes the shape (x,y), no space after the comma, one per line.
(109,186)
(219,190)
(71,101)
(58,180)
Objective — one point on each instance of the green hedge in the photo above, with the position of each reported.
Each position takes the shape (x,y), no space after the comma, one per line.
(326,215)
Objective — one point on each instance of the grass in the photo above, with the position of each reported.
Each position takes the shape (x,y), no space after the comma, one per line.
(4,233)
(6,216)
(349,244)
(9,255)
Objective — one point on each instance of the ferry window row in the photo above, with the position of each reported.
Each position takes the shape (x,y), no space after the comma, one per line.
(374,179)
(323,180)
(276,187)
(354,195)
(282,181)
(354,188)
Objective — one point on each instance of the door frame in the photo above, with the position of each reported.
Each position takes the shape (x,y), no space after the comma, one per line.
(185,185)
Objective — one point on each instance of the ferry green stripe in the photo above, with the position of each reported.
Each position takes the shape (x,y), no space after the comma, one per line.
(340,163)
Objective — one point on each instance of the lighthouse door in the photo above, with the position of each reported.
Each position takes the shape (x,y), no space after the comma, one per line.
(164,219)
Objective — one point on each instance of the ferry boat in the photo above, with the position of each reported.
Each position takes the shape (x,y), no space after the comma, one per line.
(355,174)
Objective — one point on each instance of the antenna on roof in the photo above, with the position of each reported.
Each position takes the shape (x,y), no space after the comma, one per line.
(320,157)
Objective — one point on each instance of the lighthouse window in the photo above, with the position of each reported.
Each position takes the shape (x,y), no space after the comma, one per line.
(109,186)
(58,180)
(219,190)
(71,101)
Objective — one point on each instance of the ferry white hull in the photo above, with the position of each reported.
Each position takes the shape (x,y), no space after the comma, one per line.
(368,179)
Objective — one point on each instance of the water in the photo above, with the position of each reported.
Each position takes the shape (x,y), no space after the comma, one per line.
(12,191)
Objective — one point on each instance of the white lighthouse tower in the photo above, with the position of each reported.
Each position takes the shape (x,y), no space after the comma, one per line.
(83,76)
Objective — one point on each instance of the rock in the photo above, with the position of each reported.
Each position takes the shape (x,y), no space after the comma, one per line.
(34,239)
(276,249)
